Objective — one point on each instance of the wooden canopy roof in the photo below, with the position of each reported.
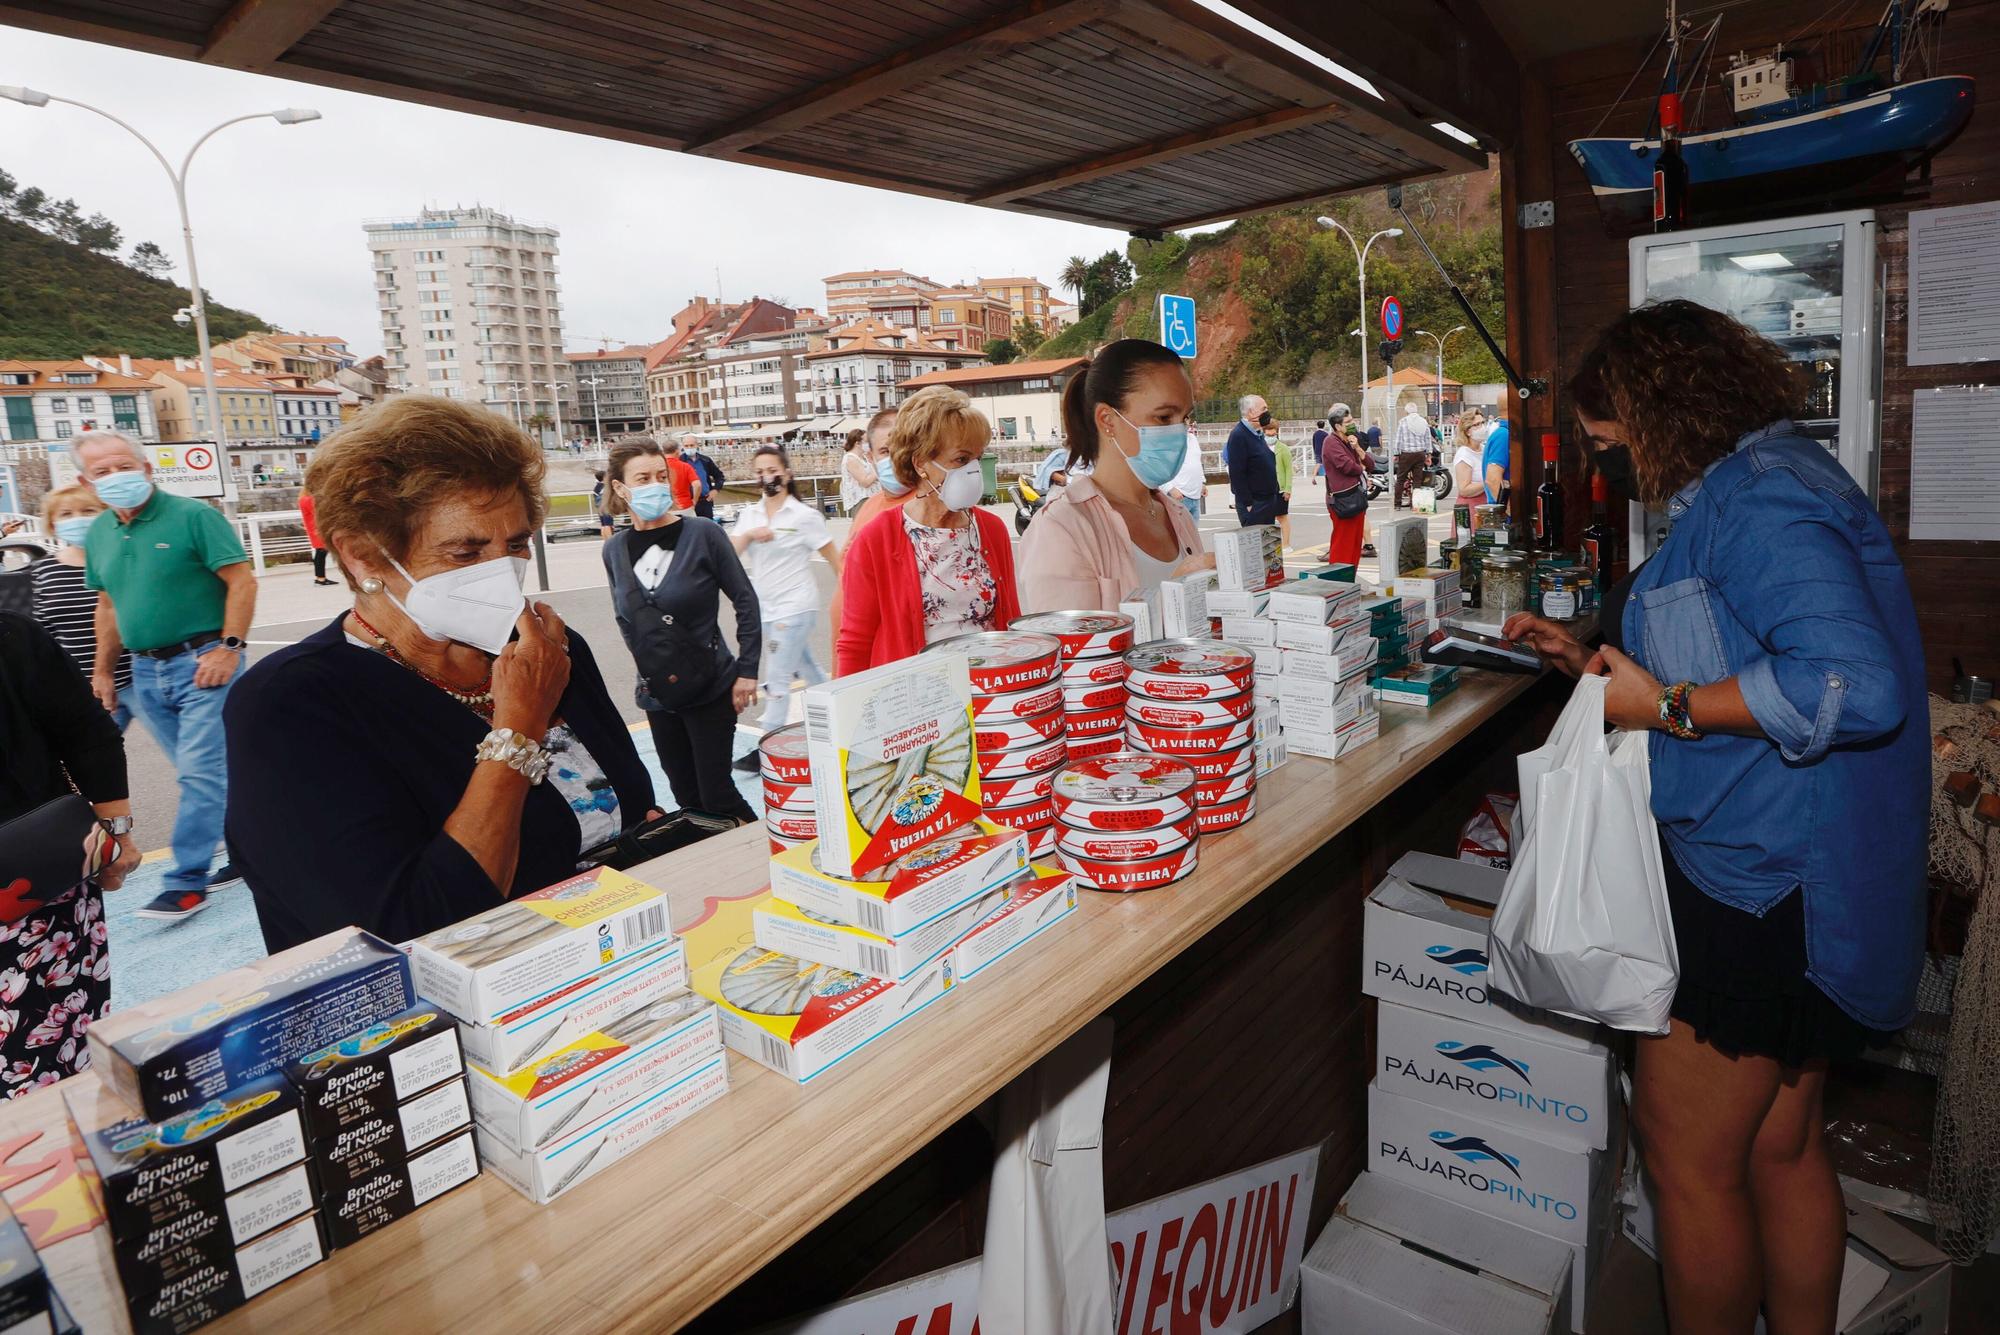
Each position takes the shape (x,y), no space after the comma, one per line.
(1136,114)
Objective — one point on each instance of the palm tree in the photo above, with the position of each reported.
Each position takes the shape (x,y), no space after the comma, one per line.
(1074,271)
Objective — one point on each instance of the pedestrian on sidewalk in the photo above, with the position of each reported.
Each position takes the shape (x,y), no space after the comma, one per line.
(857,473)
(1346,470)
(706,476)
(1281,457)
(776,538)
(1190,484)
(309,516)
(175,588)
(1413,451)
(63,604)
(1253,469)
(442,746)
(669,573)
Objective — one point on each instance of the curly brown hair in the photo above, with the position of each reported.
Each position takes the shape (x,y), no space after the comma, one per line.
(1686,383)
(377,476)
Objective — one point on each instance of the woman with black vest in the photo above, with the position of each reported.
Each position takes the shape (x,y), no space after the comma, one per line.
(669,573)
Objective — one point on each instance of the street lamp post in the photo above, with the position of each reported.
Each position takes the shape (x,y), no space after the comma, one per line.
(556,388)
(1455,329)
(596,417)
(1361,265)
(284,116)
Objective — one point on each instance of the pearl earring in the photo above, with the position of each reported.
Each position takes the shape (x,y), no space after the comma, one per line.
(371,585)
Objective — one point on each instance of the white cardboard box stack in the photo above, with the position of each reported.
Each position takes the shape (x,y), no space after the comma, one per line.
(1511,1113)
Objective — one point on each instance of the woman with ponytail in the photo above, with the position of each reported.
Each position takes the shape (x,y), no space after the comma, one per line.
(1112,530)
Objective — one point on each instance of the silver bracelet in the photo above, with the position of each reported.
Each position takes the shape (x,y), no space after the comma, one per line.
(524,756)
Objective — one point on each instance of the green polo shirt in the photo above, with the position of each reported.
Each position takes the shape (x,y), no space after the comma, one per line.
(160,569)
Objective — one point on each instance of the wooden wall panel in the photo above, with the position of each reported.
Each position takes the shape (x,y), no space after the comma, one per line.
(1956,585)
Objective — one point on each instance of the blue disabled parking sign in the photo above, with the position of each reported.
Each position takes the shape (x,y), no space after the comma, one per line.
(1177,324)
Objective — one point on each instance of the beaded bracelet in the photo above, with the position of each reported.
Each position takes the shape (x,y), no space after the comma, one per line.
(1675,704)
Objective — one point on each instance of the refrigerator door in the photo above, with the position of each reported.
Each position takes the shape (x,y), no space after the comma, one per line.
(1810,285)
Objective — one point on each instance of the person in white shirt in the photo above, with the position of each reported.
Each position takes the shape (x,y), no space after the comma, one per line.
(776,537)
(857,473)
(1191,483)
(1468,475)
(1413,448)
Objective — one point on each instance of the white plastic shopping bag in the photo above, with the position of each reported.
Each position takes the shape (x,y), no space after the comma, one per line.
(1582,926)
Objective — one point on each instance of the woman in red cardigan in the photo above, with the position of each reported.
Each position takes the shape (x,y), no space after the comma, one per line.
(938,565)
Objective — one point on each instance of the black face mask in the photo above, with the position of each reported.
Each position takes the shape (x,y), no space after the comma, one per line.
(1263,419)
(773,485)
(1615,463)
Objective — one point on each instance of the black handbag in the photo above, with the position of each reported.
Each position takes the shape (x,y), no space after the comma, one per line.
(657,837)
(1349,504)
(42,852)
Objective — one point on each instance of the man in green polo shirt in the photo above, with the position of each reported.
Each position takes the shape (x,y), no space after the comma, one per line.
(174,587)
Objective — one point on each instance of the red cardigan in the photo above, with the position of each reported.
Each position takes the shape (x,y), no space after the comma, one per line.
(882,607)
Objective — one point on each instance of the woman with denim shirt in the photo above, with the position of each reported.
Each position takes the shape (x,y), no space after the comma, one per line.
(1770,646)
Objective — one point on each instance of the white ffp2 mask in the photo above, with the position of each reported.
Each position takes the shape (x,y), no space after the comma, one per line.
(476,605)
(962,487)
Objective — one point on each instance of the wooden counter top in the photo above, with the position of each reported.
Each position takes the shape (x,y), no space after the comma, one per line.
(652,1242)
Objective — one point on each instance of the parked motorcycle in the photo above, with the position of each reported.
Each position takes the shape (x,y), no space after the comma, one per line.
(1027,504)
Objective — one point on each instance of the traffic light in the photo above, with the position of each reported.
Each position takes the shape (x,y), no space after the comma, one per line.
(1389,347)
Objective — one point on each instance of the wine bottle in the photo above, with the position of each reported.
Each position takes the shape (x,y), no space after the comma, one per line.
(1549,497)
(1600,539)
(1670,172)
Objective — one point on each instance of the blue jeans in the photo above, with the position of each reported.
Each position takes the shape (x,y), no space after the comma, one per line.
(788,654)
(1193,504)
(186,720)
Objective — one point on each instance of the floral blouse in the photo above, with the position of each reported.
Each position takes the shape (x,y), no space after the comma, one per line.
(957,585)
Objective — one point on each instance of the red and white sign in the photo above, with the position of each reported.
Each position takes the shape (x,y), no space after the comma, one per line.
(186,469)
(1215,1259)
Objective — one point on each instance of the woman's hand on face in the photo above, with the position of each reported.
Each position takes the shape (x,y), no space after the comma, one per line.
(1632,696)
(1550,641)
(531,673)
(744,693)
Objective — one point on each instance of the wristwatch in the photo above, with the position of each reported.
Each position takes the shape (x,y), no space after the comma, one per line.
(116,824)
(235,644)
(526,757)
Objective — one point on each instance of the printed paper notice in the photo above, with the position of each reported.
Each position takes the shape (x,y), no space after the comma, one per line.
(1954,467)
(1955,285)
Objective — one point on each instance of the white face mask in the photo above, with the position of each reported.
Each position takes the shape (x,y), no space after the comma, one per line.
(962,487)
(476,605)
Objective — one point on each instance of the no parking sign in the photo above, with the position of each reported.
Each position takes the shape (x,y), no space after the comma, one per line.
(189,468)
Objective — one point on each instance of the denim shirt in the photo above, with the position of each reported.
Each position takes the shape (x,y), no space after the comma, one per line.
(1777,571)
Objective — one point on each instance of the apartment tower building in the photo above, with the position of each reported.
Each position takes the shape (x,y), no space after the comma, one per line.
(471,310)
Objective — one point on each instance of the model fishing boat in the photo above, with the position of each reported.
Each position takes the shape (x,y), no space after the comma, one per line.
(1845,134)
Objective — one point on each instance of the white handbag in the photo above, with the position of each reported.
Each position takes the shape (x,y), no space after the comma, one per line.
(1582,926)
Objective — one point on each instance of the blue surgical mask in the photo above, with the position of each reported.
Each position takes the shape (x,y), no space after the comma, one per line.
(652,500)
(73,529)
(1161,450)
(885,473)
(123,491)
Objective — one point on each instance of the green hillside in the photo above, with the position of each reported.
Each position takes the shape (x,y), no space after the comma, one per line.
(1276,295)
(60,300)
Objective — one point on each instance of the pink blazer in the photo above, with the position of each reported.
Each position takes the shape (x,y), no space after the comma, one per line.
(1078,553)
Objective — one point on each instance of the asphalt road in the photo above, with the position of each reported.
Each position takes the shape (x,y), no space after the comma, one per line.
(587,610)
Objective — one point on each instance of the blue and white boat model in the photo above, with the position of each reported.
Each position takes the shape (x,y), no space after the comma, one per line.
(1838,136)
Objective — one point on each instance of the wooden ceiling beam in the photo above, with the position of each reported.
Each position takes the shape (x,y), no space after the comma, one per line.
(1164,150)
(1306,197)
(990,38)
(255,34)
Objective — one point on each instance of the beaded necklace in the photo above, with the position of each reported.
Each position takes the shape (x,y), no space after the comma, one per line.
(479,701)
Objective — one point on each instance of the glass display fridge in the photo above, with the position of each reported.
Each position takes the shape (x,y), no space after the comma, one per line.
(1812,285)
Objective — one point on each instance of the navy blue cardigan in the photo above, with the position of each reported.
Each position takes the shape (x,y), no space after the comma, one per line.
(344,766)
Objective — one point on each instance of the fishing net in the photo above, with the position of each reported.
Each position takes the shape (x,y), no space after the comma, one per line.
(1965,862)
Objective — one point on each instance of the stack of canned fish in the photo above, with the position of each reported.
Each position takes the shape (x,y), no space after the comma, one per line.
(1018,727)
(790,818)
(1192,699)
(1128,820)
(1093,675)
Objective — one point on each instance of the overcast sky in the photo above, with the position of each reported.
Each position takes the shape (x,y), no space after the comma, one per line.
(277,210)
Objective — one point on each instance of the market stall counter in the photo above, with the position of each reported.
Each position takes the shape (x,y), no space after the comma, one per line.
(673,1229)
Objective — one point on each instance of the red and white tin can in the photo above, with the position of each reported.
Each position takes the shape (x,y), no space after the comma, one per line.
(1089,747)
(779,844)
(1138,874)
(1189,669)
(781,754)
(1213,712)
(1125,845)
(1010,734)
(1096,723)
(1224,764)
(1127,790)
(1004,661)
(1031,703)
(1093,696)
(1082,634)
(1042,842)
(1191,741)
(793,826)
(1093,671)
(1002,796)
(1227,815)
(1021,760)
(788,797)
(1026,815)
(1229,788)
